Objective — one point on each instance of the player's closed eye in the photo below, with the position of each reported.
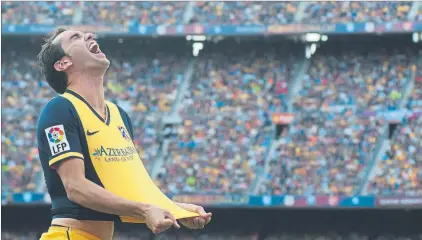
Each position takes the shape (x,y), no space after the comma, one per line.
(75,36)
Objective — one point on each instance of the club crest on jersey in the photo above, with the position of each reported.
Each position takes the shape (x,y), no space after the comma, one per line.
(124,133)
(57,140)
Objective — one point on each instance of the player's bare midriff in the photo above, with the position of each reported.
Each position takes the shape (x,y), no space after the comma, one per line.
(101,229)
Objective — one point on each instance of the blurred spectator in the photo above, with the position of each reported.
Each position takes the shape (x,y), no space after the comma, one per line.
(418,16)
(415,99)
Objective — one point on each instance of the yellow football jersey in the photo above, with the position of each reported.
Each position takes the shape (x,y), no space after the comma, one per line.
(109,154)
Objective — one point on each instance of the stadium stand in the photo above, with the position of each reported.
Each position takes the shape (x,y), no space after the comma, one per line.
(227,127)
(127,13)
(113,14)
(399,171)
(348,11)
(246,13)
(98,13)
(20,162)
(330,144)
(370,78)
(326,151)
(60,12)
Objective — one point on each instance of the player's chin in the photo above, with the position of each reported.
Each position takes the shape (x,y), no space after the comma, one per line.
(101,58)
(104,61)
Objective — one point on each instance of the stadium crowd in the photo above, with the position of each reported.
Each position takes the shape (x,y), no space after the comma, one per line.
(361,76)
(110,14)
(227,127)
(133,13)
(353,11)
(124,14)
(245,13)
(330,142)
(400,169)
(143,86)
(326,150)
(38,12)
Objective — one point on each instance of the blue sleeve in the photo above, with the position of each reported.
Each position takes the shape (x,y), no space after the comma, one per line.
(58,132)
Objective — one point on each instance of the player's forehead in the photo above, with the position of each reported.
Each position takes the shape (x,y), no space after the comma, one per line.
(65,36)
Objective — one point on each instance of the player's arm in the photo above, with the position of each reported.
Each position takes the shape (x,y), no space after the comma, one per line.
(88,194)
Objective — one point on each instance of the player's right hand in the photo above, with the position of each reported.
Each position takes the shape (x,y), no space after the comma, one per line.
(159,220)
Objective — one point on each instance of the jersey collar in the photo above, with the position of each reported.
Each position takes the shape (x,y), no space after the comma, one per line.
(77,95)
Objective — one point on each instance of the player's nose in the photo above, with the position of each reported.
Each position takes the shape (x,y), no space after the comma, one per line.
(89,36)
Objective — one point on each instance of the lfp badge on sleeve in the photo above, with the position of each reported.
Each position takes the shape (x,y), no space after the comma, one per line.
(57,140)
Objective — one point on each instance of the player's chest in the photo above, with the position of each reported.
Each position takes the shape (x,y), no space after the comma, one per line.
(111,144)
(116,134)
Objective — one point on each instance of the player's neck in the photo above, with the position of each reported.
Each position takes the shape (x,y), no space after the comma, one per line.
(92,89)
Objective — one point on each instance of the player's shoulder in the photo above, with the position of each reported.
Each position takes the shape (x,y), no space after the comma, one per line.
(58,104)
(58,109)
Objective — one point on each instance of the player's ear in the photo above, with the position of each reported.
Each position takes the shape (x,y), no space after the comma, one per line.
(63,64)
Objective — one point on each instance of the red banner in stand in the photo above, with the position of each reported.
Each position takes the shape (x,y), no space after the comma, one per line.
(283,118)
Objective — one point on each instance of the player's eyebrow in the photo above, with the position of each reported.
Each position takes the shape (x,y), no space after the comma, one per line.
(74,35)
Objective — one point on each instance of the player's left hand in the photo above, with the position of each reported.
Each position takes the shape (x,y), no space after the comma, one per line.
(195,222)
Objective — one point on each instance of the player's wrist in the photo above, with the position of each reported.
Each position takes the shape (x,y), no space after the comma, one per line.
(141,210)
(182,205)
(186,206)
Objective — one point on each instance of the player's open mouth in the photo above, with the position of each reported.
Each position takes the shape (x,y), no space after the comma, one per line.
(94,48)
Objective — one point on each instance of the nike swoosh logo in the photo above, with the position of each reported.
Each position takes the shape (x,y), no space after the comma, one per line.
(90,133)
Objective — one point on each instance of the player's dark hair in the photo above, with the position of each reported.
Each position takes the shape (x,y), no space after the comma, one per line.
(51,53)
